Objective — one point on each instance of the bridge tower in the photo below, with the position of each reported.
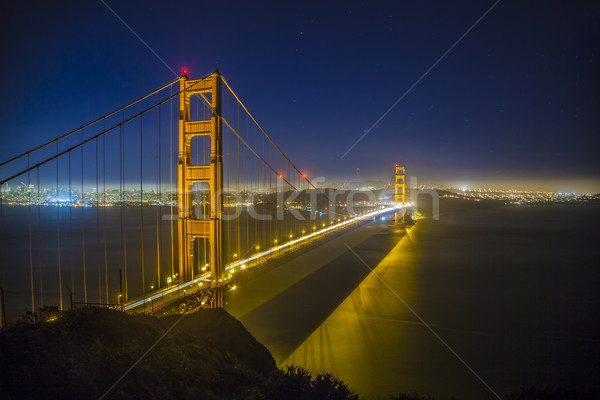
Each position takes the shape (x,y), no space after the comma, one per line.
(399,193)
(190,228)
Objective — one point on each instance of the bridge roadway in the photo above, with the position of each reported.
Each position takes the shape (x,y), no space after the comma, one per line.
(285,305)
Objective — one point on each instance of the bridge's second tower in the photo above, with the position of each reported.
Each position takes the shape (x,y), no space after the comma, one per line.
(189,227)
(399,193)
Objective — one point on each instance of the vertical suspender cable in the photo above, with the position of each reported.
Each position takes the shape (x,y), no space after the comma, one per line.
(246,169)
(83,227)
(30,242)
(261,174)
(123,227)
(2,263)
(273,201)
(171,181)
(142,203)
(60,299)
(71,264)
(39,239)
(98,227)
(228,189)
(211,196)
(158,201)
(104,215)
(237,186)
(254,170)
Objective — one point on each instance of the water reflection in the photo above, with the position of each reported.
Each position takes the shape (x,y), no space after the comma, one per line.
(512,291)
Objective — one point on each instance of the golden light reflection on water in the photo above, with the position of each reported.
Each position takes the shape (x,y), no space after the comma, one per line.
(364,341)
(510,290)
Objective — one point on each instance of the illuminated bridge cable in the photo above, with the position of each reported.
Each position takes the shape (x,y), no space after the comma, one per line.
(71,266)
(302,175)
(256,154)
(99,270)
(60,298)
(171,181)
(104,215)
(123,293)
(248,145)
(265,133)
(30,243)
(39,239)
(2,263)
(158,200)
(88,140)
(83,227)
(142,203)
(86,125)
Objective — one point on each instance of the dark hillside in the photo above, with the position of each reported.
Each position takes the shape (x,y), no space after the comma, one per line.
(209,354)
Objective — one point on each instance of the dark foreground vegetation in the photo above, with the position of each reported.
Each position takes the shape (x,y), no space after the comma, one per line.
(205,355)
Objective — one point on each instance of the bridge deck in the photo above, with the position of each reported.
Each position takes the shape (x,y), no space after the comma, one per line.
(282,307)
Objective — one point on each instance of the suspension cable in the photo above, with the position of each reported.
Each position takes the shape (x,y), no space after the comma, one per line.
(30,244)
(158,198)
(248,145)
(83,142)
(39,240)
(98,228)
(142,208)
(256,154)
(58,238)
(85,126)
(265,133)
(104,216)
(83,229)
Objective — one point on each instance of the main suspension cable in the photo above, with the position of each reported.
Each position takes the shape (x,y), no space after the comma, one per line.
(83,142)
(86,125)
(265,133)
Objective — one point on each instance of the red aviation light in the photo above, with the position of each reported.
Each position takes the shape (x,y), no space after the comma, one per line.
(304,176)
(280,176)
(185,71)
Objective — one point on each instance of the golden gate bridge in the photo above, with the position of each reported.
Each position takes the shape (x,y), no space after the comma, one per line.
(167,197)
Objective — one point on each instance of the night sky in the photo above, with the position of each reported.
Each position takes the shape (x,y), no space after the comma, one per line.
(516,102)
